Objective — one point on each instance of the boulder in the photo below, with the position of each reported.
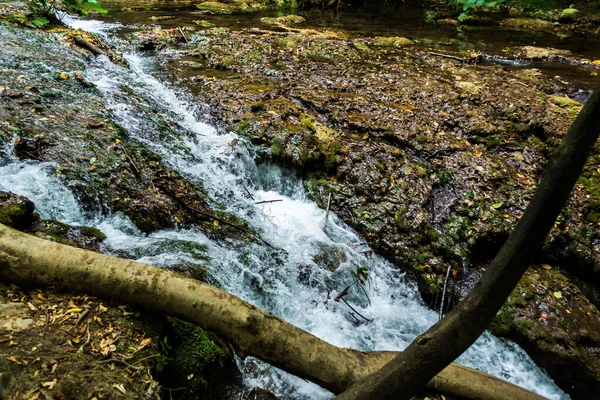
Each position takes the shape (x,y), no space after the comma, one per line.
(285,20)
(538,53)
(385,41)
(569,15)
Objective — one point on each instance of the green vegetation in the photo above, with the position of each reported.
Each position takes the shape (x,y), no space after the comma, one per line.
(12,215)
(42,12)
(194,358)
(504,5)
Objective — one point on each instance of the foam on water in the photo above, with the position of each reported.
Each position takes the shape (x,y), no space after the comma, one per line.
(293,282)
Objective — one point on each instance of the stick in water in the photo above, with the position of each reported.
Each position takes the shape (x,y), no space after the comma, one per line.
(328,205)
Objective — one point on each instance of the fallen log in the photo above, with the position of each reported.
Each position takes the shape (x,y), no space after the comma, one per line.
(81,42)
(28,260)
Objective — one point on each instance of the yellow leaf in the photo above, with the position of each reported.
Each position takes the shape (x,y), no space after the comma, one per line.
(120,388)
(177,220)
(41,296)
(74,310)
(101,308)
(596,62)
(49,385)
(63,76)
(190,376)
(216,223)
(17,360)
(546,266)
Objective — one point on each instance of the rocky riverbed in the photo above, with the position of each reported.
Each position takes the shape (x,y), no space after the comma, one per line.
(431,159)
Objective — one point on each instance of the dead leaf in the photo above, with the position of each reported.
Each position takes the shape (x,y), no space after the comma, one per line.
(74,310)
(49,385)
(120,388)
(17,360)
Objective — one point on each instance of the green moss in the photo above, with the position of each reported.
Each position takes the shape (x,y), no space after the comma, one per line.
(277,147)
(491,141)
(593,218)
(197,358)
(92,232)
(385,41)
(11,215)
(504,321)
(309,124)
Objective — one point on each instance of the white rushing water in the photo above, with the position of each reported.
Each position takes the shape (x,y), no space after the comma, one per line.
(293,282)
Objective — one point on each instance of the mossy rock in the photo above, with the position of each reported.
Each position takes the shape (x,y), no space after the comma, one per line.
(16,211)
(197,358)
(527,23)
(569,15)
(385,41)
(361,46)
(565,102)
(204,23)
(285,20)
(214,7)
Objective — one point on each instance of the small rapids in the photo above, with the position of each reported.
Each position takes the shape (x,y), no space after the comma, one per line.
(313,257)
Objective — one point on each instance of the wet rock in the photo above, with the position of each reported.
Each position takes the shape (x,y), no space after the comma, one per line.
(330,257)
(569,15)
(549,316)
(14,317)
(285,20)
(527,23)
(214,7)
(16,211)
(385,41)
(84,237)
(204,23)
(537,53)
(258,393)
(361,46)
(448,21)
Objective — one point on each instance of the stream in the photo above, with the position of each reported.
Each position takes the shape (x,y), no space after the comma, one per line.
(286,281)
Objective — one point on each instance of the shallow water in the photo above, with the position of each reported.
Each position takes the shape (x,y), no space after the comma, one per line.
(293,282)
(378,19)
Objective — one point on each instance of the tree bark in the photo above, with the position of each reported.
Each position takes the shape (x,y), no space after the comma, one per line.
(429,353)
(28,260)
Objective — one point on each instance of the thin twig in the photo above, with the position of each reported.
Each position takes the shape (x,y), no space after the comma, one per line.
(444,294)
(116,360)
(145,358)
(82,317)
(239,228)
(135,168)
(87,341)
(182,34)
(46,323)
(359,314)
(248,194)
(328,205)
(446,56)
(267,201)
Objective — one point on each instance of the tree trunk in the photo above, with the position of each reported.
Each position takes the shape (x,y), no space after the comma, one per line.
(25,259)
(429,353)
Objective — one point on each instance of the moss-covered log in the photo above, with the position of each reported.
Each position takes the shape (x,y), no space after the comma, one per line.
(25,259)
